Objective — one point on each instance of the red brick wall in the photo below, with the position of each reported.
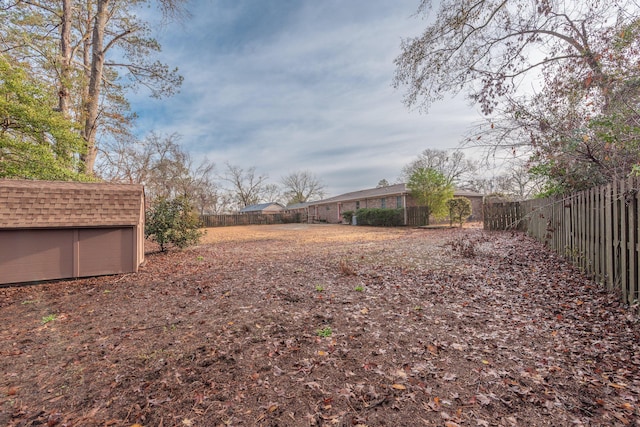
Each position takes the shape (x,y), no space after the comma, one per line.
(329,212)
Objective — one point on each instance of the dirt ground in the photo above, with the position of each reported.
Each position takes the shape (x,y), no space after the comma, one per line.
(319,325)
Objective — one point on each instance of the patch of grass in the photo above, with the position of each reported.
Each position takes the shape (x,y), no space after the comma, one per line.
(319,288)
(49,318)
(199,258)
(325,332)
(359,288)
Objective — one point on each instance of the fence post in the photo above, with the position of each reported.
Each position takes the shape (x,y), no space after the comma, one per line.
(601,235)
(630,199)
(591,217)
(623,242)
(637,247)
(609,237)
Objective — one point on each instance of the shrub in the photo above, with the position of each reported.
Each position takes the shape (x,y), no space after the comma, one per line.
(380,217)
(172,221)
(348,216)
(459,210)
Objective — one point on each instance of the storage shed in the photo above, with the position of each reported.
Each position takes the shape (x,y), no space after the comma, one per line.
(56,230)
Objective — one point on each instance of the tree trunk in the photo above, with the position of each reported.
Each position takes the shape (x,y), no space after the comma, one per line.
(92,102)
(65,54)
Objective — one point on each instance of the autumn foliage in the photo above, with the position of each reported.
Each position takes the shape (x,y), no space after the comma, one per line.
(303,325)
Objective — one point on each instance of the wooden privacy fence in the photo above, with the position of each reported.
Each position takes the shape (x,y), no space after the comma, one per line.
(416,215)
(251,219)
(597,229)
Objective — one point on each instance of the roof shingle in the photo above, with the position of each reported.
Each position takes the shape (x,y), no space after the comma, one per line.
(44,204)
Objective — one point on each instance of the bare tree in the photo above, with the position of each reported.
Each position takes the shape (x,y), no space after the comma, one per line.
(576,61)
(272,193)
(453,166)
(488,46)
(516,183)
(164,168)
(247,187)
(301,187)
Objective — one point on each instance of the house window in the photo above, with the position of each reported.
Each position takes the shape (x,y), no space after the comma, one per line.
(383,203)
(357,205)
(398,201)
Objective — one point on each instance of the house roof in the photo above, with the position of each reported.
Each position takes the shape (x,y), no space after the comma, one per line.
(390,190)
(297,206)
(467,193)
(369,193)
(41,204)
(260,207)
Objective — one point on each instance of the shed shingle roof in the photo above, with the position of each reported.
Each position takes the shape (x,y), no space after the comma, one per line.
(40,204)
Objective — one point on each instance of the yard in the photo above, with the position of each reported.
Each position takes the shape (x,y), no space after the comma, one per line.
(296,325)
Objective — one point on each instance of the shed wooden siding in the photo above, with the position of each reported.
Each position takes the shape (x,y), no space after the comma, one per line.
(54,230)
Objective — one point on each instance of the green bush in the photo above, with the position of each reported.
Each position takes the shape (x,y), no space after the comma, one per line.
(172,222)
(459,210)
(380,217)
(348,216)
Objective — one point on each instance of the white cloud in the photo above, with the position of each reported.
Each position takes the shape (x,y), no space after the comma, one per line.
(312,92)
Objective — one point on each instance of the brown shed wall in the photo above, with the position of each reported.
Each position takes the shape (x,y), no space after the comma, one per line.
(34,255)
(57,230)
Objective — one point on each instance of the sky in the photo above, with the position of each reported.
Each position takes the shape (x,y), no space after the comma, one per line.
(298,85)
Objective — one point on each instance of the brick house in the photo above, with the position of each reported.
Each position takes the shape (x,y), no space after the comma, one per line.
(56,230)
(392,196)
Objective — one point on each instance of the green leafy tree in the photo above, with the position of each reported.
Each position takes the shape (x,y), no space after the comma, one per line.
(35,141)
(459,210)
(90,52)
(430,189)
(172,222)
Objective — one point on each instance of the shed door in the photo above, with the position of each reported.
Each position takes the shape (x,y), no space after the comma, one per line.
(32,255)
(105,251)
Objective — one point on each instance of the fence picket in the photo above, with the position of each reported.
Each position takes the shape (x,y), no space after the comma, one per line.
(609,245)
(636,230)
(593,216)
(630,198)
